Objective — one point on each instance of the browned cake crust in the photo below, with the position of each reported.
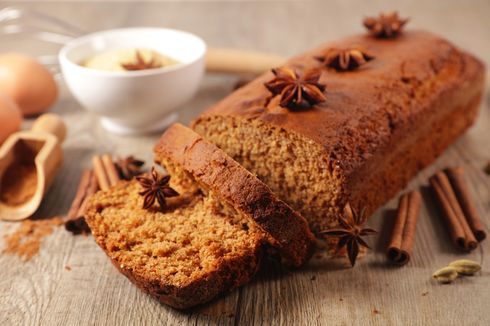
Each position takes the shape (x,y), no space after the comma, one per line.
(217,172)
(230,275)
(378,127)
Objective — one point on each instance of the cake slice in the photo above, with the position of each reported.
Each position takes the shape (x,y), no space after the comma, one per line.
(206,241)
(182,149)
(184,255)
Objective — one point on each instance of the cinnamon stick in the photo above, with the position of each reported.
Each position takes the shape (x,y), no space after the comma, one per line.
(77,224)
(458,226)
(403,235)
(110,169)
(100,172)
(457,179)
(80,195)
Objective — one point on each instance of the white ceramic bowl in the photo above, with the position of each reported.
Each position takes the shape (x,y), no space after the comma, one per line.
(142,101)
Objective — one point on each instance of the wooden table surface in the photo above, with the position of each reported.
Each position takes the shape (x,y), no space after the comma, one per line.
(43,292)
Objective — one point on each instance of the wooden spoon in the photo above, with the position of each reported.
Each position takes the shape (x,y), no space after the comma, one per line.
(43,143)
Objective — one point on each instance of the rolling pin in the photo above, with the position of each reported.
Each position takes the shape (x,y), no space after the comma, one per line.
(29,161)
(230,61)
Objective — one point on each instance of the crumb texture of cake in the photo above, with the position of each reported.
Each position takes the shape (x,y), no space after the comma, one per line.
(182,149)
(184,255)
(289,164)
(379,126)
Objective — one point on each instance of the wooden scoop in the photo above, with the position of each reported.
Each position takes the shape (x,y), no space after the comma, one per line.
(39,148)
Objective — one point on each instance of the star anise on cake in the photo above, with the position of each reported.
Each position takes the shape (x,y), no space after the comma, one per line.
(155,187)
(350,232)
(129,167)
(385,25)
(297,89)
(345,59)
(140,63)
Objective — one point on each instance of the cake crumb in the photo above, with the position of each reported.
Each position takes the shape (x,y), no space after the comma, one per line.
(376,311)
(341,299)
(425,293)
(68,268)
(25,242)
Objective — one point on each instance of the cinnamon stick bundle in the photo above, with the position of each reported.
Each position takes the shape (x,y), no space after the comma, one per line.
(103,176)
(403,235)
(459,228)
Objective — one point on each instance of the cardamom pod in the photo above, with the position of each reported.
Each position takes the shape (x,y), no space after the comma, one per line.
(446,274)
(465,266)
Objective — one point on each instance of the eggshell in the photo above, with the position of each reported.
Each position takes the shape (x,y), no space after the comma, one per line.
(27,82)
(10,117)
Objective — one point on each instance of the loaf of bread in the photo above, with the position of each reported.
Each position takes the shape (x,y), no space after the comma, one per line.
(379,125)
(206,241)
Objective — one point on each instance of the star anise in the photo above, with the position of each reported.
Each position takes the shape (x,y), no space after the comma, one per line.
(297,89)
(140,63)
(129,167)
(155,187)
(350,233)
(386,25)
(345,59)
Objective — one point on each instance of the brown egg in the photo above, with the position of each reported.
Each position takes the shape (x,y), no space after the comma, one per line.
(10,117)
(27,82)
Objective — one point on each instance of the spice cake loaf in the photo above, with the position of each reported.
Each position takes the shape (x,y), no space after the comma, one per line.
(205,241)
(377,127)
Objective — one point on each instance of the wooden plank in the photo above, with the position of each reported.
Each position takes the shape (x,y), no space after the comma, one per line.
(44,292)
